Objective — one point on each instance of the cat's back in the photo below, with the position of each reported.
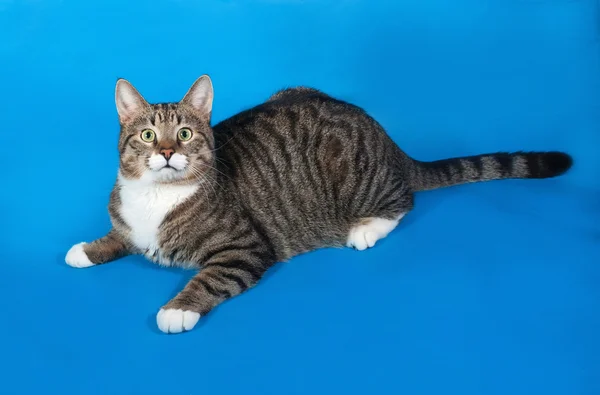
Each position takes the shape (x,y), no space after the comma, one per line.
(295,114)
(301,132)
(297,94)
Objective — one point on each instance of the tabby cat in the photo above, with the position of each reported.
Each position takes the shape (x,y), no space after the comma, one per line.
(299,172)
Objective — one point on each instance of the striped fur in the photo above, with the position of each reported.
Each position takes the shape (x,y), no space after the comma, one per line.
(498,166)
(291,175)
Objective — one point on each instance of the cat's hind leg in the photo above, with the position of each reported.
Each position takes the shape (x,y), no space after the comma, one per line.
(368,231)
(389,203)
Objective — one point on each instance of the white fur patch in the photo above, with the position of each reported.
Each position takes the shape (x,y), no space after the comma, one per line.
(177,161)
(366,235)
(156,162)
(176,320)
(76,257)
(144,205)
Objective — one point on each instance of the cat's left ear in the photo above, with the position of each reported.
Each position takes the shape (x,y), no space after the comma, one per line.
(200,96)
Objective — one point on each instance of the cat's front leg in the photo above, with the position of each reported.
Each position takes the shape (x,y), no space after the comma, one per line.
(106,249)
(218,281)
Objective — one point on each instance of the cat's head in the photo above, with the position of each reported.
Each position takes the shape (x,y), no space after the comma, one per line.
(169,142)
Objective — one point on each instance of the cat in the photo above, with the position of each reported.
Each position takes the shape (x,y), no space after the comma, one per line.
(298,172)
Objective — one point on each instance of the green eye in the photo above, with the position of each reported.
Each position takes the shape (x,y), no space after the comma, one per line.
(148,135)
(184,134)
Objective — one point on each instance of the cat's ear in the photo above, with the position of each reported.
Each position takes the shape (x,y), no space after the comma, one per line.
(129,101)
(200,95)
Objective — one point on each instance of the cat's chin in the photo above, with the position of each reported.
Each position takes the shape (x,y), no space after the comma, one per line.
(166,174)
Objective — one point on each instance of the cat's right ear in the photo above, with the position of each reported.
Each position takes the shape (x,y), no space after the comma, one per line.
(129,101)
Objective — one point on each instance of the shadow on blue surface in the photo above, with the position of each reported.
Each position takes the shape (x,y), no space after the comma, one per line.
(484,289)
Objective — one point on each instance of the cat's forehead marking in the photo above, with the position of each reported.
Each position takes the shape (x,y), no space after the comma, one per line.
(165,112)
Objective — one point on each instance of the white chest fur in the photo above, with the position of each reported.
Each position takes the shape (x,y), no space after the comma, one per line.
(144,206)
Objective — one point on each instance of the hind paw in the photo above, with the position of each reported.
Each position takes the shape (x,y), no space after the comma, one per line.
(369,231)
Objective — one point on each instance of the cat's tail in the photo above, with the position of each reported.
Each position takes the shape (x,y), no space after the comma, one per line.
(455,171)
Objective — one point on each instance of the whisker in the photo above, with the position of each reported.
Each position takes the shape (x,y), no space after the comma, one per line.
(202,185)
(213,180)
(215,169)
(203,178)
(224,144)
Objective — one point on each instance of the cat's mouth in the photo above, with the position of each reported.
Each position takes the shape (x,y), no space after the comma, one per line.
(168,173)
(168,168)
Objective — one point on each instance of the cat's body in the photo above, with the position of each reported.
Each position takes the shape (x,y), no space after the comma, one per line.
(299,172)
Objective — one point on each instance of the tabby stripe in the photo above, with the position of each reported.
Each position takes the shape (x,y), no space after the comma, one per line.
(240,265)
(327,189)
(263,151)
(370,176)
(226,279)
(478,163)
(236,279)
(364,159)
(217,277)
(460,170)
(229,247)
(213,291)
(264,180)
(281,144)
(314,113)
(246,180)
(261,231)
(187,298)
(447,172)
(127,140)
(294,119)
(251,156)
(204,136)
(387,196)
(313,171)
(506,164)
(307,160)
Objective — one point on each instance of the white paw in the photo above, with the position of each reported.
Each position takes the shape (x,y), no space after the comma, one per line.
(76,257)
(357,239)
(366,235)
(176,320)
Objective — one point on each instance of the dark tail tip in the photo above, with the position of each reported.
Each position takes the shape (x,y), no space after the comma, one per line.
(551,164)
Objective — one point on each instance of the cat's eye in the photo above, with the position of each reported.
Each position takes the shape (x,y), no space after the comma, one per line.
(184,134)
(148,135)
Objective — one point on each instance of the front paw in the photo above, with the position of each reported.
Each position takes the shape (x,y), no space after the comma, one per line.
(76,257)
(176,320)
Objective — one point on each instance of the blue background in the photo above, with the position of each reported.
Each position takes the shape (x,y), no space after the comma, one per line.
(483,289)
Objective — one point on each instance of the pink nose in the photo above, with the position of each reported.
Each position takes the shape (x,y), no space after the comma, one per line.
(167,152)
